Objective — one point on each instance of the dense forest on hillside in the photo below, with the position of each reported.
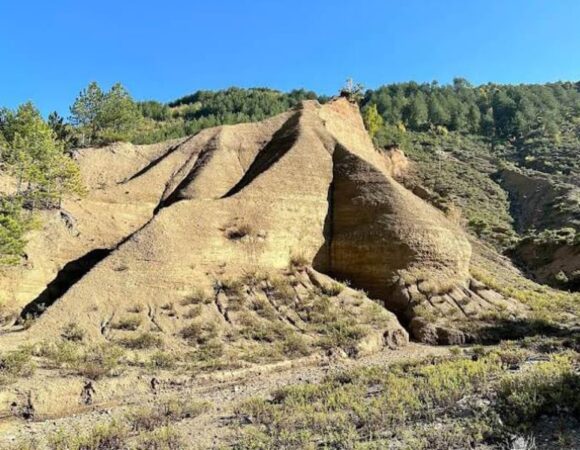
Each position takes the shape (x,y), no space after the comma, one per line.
(98,117)
(469,144)
(523,123)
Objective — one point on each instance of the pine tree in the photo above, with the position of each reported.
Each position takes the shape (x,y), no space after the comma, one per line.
(417,113)
(13,226)
(117,114)
(105,117)
(438,114)
(34,156)
(474,119)
(37,159)
(85,110)
(352,91)
(62,130)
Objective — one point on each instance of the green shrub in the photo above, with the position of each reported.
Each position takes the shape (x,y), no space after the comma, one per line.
(199,333)
(422,405)
(142,341)
(344,334)
(91,361)
(262,330)
(210,350)
(128,323)
(99,361)
(165,412)
(163,438)
(543,389)
(332,289)
(294,345)
(73,332)
(104,436)
(162,360)
(15,364)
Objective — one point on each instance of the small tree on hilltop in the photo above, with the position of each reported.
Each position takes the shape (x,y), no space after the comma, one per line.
(118,114)
(352,91)
(84,111)
(103,117)
(62,130)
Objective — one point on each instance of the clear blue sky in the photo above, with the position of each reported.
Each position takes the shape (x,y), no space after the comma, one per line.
(49,50)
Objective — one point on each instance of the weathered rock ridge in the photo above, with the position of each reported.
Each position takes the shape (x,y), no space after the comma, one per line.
(305,189)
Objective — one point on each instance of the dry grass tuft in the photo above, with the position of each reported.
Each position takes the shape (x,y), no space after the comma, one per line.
(164,413)
(142,341)
(127,323)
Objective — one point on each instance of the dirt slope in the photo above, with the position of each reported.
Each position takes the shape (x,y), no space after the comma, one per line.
(225,213)
(539,203)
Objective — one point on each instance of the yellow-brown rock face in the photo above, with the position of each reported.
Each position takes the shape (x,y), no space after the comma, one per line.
(306,186)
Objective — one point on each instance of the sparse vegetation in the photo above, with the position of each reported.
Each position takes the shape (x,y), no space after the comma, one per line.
(295,345)
(142,341)
(162,360)
(549,306)
(238,231)
(113,435)
(282,289)
(91,361)
(208,353)
(417,405)
(547,388)
(163,438)
(73,332)
(333,288)
(345,334)
(164,413)
(193,312)
(16,364)
(130,323)
(258,329)
(199,333)
(135,309)
(232,286)
(298,260)
(110,436)
(197,296)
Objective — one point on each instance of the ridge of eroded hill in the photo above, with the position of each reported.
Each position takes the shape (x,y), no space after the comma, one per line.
(233,202)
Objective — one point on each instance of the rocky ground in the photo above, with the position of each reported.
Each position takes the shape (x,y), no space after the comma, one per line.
(174,409)
(223,391)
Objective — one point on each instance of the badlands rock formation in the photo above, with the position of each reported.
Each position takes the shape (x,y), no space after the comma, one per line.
(225,213)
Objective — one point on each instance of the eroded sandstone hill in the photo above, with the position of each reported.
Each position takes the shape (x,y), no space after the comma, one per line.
(230,229)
